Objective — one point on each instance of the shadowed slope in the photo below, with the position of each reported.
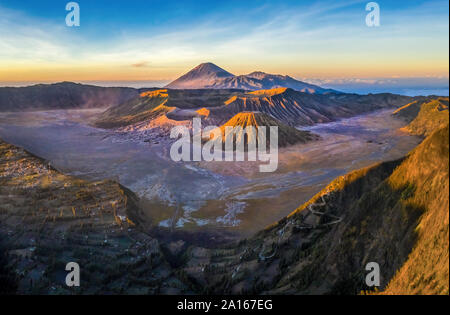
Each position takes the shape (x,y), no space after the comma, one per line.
(431,115)
(297,108)
(149,105)
(65,95)
(286,105)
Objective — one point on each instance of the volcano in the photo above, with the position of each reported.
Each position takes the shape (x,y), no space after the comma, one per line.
(287,135)
(203,75)
(210,76)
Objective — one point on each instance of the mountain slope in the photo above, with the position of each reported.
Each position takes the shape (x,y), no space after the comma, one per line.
(286,105)
(393,213)
(431,114)
(65,95)
(201,76)
(286,135)
(426,271)
(264,81)
(140,108)
(210,76)
(297,108)
(48,219)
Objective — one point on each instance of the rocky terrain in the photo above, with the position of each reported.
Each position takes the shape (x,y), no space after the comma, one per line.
(394,213)
(48,219)
(216,107)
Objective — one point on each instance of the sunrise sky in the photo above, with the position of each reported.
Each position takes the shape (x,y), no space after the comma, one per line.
(160,40)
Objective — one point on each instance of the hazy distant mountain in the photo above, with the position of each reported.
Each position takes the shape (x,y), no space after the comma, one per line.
(64,95)
(201,76)
(210,76)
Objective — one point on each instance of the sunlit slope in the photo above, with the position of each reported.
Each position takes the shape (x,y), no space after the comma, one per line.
(152,104)
(286,135)
(148,105)
(286,105)
(297,108)
(432,115)
(426,270)
(393,213)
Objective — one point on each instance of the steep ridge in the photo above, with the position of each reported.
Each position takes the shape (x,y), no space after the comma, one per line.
(148,105)
(139,108)
(431,114)
(426,271)
(210,76)
(286,105)
(201,76)
(297,108)
(393,213)
(410,110)
(65,95)
(286,135)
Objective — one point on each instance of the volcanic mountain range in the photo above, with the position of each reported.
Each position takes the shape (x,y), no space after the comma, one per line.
(218,106)
(208,92)
(394,213)
(209,76)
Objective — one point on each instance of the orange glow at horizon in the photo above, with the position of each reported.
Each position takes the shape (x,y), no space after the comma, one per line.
(113,72)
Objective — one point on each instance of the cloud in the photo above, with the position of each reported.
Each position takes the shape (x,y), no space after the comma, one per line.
(142,64)
(325,35)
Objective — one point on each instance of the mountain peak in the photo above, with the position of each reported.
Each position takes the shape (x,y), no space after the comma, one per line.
(286,135)
(210,76)
(257,75)
(202,75)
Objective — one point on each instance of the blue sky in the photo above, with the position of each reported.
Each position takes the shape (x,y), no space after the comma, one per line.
(159,40)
